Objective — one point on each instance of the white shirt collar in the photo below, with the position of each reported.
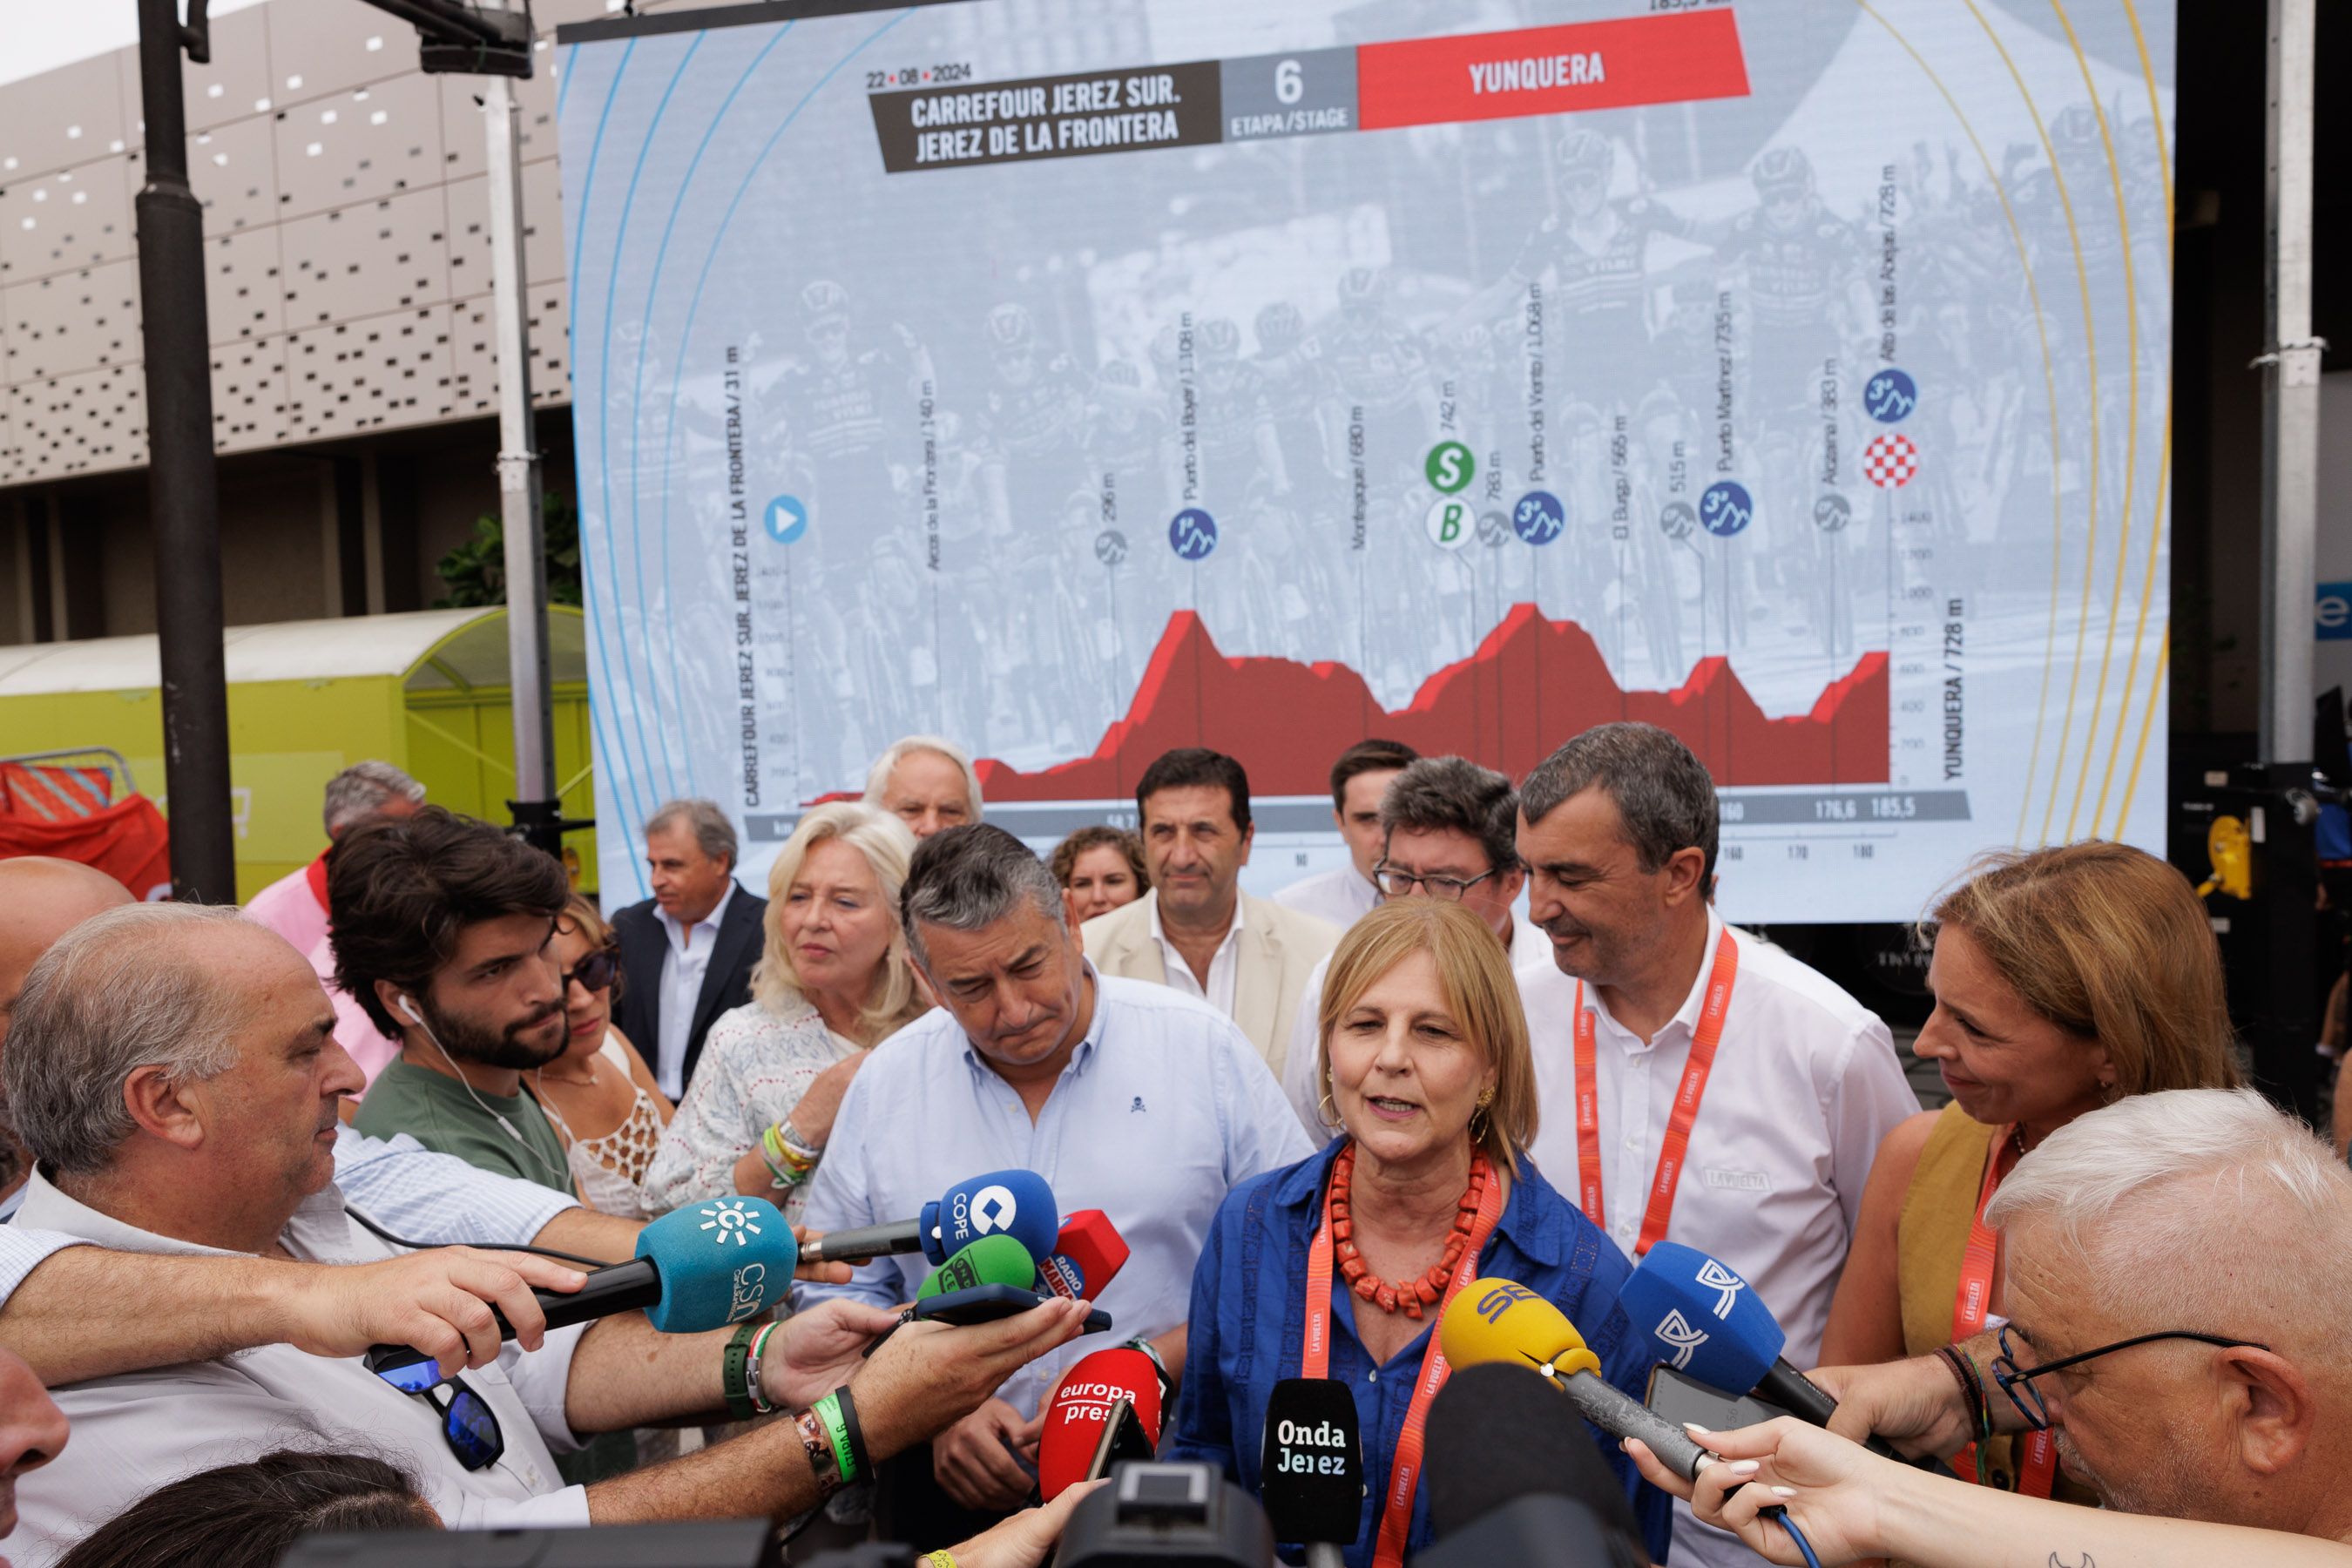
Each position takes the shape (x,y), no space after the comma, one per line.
(1160,931)
(1685,1016)
(708,923)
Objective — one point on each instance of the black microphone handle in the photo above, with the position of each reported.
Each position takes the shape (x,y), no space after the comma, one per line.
(1620,1414)
(866,1242)
(1806,1400)
(621,1288)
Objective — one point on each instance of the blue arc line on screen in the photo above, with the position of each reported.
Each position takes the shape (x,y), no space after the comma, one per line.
(694,300)
(604,659)
(645,334)
(603,435)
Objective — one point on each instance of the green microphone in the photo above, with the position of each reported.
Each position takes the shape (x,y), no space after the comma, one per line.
(991,1260)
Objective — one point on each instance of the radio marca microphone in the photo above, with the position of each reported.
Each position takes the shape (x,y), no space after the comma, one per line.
(1502,1320)
(1094,1386)
(1017,1204)
(1514,1477)
(1086,1256)
(702,1267)
(1707,1321)
(1311,1466)
(990,1260)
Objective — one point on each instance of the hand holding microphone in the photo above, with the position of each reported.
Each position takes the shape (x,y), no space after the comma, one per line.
(1788,1464)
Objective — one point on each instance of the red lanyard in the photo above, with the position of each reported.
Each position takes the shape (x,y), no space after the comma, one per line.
(1315,1360)
(2037,1456)
(1708,1035)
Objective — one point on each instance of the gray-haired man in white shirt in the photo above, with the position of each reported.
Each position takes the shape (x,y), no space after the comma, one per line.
(174,1070)
(1618,832)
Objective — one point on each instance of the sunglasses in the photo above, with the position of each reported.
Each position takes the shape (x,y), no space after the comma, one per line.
(468,1423)
(595,973)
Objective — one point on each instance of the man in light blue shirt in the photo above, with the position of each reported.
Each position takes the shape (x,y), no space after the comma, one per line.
(1126,1096)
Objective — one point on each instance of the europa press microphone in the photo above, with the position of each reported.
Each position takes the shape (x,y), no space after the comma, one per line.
(1017,1204)
(1106,1410)
(1514,1477)
(1086,1255)
(1311,1467)
(699,1268)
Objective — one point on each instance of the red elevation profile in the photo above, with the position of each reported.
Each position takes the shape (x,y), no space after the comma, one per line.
(1532,684)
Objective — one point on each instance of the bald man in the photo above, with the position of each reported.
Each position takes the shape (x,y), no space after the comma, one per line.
(40,899)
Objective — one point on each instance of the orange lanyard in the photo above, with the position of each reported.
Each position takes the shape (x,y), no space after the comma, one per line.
(1315,1360)
(2037,1457)
(1678,1124)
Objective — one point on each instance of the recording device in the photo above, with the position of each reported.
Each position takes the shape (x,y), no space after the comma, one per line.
(1709,1323)
(1502,1320)
(987,1303)
(1086,1256)
(990,1260)
(702,1543)
(1186,1516)
(699,1268)
(1107,1407)
(1682,1398)
(1514,1477)
(1311,1467)
(1017,1204)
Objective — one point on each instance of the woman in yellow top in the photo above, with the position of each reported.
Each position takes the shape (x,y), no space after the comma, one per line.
(2064,978)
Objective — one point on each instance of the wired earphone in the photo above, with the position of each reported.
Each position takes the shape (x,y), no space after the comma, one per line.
(408,1006)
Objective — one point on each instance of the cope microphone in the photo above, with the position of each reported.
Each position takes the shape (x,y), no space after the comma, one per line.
(1707,1321)
(1514,1477)
(1099,1390)
(1502,1320)
(699,1268)
(1017,1204)
(990,1260)
(1311,1467)
(1086,1255)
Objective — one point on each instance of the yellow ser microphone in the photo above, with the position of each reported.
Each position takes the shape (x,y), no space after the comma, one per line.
(1504,1321)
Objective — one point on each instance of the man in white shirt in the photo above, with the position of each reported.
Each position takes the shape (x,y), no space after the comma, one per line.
(1196,930)
(173,1068)
(926,782)
(687,952)
(1358,779)
(1126,1098)
(1618,832)
(1446,832)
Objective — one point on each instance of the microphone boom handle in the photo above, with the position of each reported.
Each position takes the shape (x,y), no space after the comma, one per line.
(1619,1415)
(864,1243)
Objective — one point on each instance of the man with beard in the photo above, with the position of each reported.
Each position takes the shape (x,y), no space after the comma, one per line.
(442,927)
(1757,1155)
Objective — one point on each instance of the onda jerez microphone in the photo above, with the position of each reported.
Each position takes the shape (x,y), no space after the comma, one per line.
(1311,1467)
(1017,1204)
(702,1267)
(1097,1387)
(1502,1320)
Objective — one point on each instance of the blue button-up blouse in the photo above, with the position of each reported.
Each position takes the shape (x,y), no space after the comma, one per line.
(1249,1323)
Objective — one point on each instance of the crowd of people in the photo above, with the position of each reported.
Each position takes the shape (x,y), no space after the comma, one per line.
(422,1085)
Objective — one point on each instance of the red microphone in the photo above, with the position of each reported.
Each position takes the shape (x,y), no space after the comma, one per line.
(1086,1255)
(1080,1440)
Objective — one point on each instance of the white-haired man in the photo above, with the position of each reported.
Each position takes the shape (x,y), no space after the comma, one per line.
(2177,1269)
(174,1070)
(294,906)
(926,782)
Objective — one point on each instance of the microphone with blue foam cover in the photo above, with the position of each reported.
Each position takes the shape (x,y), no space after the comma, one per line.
(1017,1204)
(698,1268)
(1501,1320)
(1708,1322)
(990,1260)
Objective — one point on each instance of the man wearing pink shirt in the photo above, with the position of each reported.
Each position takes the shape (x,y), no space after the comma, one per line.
(294,906)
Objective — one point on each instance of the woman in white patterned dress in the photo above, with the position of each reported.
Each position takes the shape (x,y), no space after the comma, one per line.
(599,1093)
(833,981)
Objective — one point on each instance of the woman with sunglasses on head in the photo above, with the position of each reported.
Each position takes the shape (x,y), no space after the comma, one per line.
(599,1093)
(832,982)
(2064,979)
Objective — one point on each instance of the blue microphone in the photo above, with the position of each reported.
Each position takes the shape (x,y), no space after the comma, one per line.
(1707,1321)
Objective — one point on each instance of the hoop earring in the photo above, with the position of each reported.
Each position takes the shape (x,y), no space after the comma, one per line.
(1330,1112)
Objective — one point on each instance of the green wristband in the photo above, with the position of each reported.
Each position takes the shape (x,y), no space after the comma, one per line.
(734,1373)
(837,1430)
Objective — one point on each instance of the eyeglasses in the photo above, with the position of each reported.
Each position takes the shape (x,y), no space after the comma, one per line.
(2018,1382)
(468,1423)
(1397,883)
(595,973)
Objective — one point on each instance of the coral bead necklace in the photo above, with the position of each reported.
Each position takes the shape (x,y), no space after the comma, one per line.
(1414,1296)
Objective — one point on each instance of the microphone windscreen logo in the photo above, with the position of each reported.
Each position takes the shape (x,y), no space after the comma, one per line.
(1702,1317)
(1713,1276)
(721,1262)
(1311,1462)
(1678,1335)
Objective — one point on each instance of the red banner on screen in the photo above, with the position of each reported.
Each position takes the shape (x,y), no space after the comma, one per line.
(1673,58)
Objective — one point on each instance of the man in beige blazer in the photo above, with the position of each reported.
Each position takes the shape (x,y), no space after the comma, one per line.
(1196,930)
